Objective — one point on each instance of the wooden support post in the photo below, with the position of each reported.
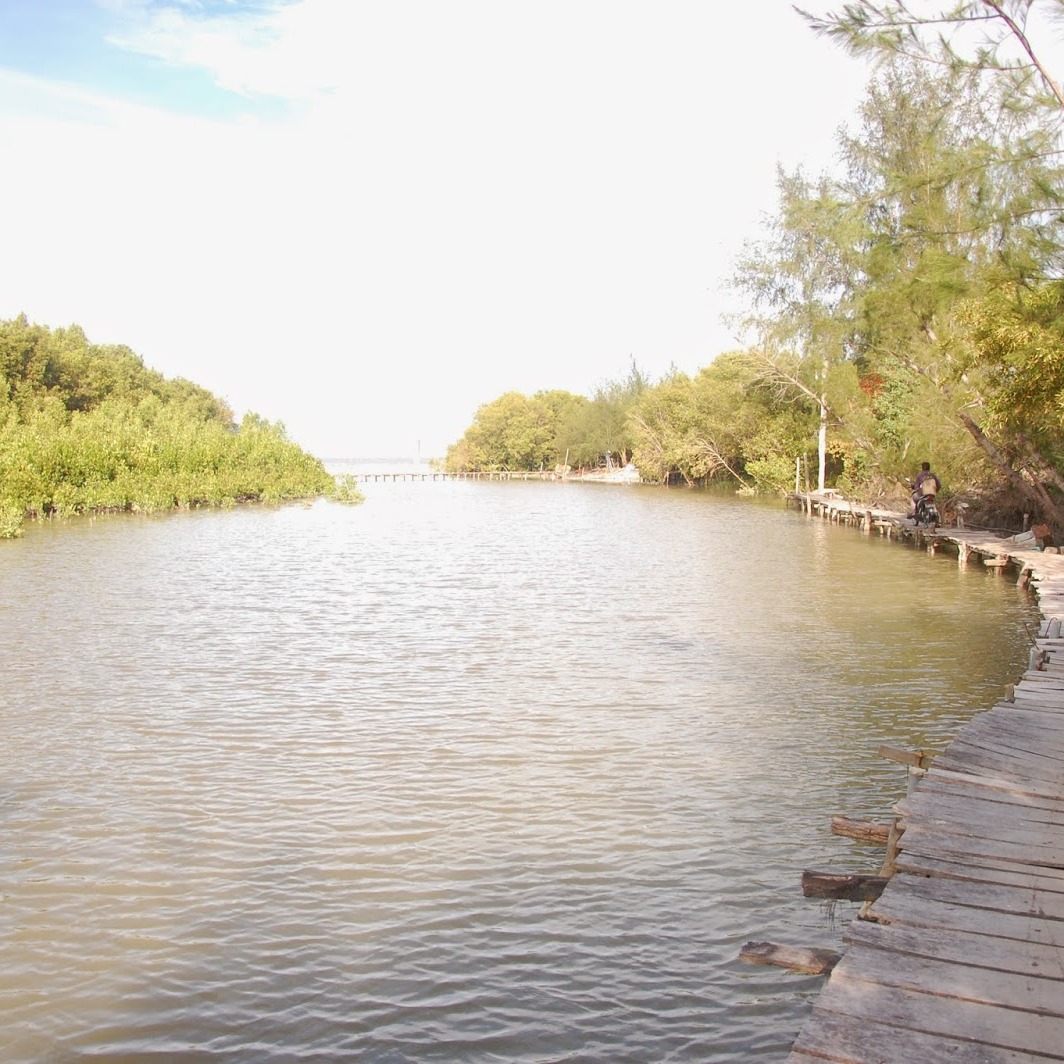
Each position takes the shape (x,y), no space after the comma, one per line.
(964,552)
(793,958)
(844,887)
(894,834)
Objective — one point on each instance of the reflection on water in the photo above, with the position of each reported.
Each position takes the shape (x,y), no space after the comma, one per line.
(473,772)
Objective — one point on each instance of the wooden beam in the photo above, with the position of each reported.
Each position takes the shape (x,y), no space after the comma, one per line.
(916,758)
(862,830)
(843,887)
(793,958)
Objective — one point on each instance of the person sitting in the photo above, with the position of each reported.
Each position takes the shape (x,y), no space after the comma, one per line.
(926,483)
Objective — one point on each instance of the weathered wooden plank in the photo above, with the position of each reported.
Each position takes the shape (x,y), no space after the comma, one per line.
(946,866)
(1021,702)
(930,912)
(1047,764)
(983,790)
(967,756)
(1010,724)
(972,847)
(967,842)
(804,959)
(939,806)
(995,898)
(1038,678)
(861,830)
(915,758)
(961,947)
(944,979)
(1054,696)
(988,776)
(967,1022)
(830,1036)
(959,816)
(933,841)
(1008,720)
(842,886)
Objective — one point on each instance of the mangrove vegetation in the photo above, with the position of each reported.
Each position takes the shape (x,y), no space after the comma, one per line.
(907,306)
(90,428)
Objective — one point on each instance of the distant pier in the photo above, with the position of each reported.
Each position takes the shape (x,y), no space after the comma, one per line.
(433,474)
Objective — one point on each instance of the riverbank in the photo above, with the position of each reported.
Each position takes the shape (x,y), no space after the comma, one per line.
(960,953)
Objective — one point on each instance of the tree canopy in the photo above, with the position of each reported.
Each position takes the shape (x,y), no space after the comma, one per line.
(86,427)
(908,306)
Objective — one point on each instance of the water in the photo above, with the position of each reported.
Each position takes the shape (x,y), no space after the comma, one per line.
(473,772)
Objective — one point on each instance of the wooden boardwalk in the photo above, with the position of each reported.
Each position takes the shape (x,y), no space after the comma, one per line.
(961,958)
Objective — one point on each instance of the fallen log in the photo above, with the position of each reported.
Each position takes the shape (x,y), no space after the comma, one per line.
(853,887)
(793,958)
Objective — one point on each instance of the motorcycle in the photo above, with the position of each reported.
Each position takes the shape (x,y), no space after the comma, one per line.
(925,510)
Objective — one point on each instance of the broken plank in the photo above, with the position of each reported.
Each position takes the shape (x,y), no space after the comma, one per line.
(807,960)
(843,887)
(916,758)
(861,830)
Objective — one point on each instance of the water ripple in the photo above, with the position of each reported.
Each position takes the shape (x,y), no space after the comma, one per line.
(470,773)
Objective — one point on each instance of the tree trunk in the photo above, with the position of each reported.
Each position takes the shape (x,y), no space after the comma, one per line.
(1022,480)
(822,446)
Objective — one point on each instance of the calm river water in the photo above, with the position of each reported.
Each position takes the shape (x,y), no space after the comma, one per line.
(472,772)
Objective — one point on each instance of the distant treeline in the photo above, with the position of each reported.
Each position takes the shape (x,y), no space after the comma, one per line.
(909,308)
(87,427)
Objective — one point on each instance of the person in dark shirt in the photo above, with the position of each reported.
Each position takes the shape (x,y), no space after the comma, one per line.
(924,477)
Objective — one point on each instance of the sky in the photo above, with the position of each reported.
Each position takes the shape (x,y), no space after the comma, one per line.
(367,218)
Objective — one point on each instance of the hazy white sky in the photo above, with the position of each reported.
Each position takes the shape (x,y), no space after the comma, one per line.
(366,218)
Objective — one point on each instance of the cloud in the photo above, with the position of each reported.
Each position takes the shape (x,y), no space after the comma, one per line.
(288,50)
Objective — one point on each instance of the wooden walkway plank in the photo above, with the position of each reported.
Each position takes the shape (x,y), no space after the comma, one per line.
(951,866)
(975,848)
(1008,785)
(1019,901)
(943,979)
(928,912)
(961,947)
(974,816)
(978,790)
(982,753)
(966,1023)
(1006,719)
(832,1036)
(1047,763)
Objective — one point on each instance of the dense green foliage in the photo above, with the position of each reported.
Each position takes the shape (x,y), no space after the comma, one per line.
(85,427)
(551,429)
(909,307)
